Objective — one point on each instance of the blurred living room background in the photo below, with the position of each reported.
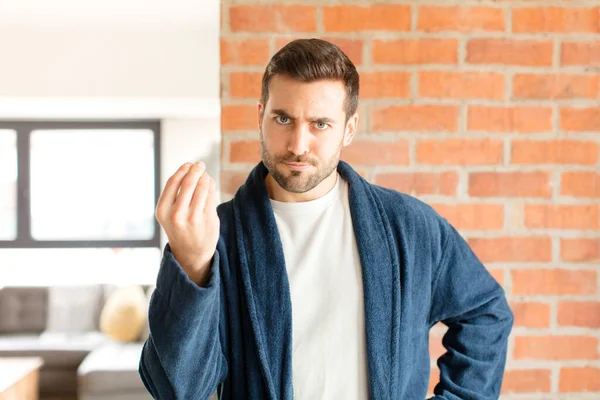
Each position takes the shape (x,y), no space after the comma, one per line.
(100,102)
(487,110)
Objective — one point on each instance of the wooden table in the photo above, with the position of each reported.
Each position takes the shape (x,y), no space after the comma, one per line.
(19,378)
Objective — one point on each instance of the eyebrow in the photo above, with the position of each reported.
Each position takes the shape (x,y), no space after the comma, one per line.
(283,113)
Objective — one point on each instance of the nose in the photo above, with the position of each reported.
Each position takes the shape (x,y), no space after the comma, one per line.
(299,140)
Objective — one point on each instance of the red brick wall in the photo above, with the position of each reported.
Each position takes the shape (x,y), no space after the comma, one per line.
(488,111)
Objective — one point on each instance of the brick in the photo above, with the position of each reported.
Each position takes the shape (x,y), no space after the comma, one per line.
(460,19)
(579,379)
(526,381)
(554,152)
(556,348)
(580,119)
(364,110)
(282,41)
(245,151)
(498,275)
(377,17)
(555,86)
(387,84)
(245,85)
(553,282)
(585,54)
(363,172)
(460,152)
(509,119)
(415,51)
(253,51)
(556,20)
(473,216)
(509,249)
(238,117)
(436,348)
(231,181)
(461,85)
(580,250)
(353,48)
(531,53)
(273,18)
(369,152)
(553,216)
(580,184)
(434,379)
(584,314)
(531,314)
(222,13)
(420,183)
(418,118)
(510,184)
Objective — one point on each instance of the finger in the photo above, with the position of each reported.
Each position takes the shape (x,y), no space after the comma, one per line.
(200,194)
(188,185)
(211,199)
(169,192)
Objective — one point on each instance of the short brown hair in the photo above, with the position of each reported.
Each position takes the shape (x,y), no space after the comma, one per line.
(308,60)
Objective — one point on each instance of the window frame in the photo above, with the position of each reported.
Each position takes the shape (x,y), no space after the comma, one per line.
(23,131)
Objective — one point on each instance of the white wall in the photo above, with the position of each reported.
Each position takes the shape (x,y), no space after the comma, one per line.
(125,48)
(108,60)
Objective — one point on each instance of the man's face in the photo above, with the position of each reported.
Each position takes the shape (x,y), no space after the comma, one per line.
(303,129)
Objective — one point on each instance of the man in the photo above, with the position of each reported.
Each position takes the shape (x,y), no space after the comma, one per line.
(312,283)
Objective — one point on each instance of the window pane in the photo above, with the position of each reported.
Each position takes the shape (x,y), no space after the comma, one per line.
(8,185)
(92,184)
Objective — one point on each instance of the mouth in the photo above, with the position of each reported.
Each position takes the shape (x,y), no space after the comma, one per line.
(297,166)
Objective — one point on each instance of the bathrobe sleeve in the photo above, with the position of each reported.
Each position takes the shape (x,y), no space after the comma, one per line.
(469,301)
(182,357)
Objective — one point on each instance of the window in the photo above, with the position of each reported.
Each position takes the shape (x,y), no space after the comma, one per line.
(79,184)
(101,187)
(79,193)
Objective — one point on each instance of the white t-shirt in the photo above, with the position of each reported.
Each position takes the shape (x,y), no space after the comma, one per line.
(325,275)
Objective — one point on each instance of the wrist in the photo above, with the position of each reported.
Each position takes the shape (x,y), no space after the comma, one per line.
(199,272)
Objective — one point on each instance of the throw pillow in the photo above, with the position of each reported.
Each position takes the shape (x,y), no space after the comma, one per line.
(124,314)
(73,308)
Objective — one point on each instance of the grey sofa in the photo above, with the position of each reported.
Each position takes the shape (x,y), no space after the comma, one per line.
(60,325)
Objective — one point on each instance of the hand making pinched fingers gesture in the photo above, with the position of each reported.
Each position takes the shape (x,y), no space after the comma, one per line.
(187,211)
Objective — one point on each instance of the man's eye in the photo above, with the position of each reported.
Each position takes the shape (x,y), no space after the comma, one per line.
(322,126)
(282,119)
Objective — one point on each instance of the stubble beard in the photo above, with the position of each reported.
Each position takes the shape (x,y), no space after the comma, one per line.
(298,181)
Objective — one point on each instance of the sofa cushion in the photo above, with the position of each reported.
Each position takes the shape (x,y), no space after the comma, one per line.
(111,368)
(23,309)
(74,308)
(58,350)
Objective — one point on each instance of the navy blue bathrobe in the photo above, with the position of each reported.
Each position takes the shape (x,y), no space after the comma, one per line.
(234,335)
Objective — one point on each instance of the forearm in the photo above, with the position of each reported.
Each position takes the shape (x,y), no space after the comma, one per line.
(476,343)
(182,357)
(468,300)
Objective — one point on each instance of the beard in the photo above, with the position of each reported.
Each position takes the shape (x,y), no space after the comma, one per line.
(298,181)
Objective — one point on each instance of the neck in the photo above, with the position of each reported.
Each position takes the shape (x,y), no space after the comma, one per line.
(277,193)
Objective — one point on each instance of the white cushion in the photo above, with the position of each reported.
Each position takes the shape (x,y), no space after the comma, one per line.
(113,367)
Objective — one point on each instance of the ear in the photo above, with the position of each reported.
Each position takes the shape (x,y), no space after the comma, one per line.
(260,111)
(351,127)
